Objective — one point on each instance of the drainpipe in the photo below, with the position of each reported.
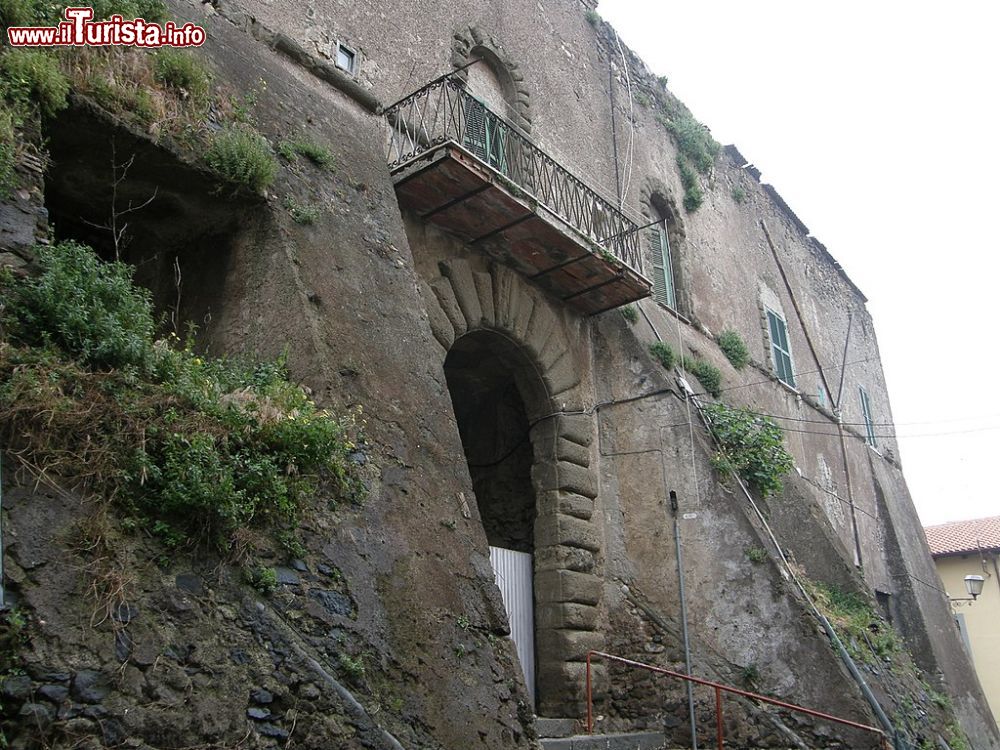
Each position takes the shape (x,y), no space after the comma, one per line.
(1,532)
(684,619)
(858,560)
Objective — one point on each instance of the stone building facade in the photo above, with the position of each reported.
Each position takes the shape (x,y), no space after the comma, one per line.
(514,407)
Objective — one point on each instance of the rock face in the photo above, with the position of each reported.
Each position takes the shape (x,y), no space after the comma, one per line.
(497,414)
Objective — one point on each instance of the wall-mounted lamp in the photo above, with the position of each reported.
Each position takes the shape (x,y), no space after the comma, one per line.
(974,587)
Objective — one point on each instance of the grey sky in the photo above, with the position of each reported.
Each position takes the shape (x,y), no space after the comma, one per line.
(877,123)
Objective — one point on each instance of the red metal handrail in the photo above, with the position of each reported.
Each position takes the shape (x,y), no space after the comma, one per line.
(719,689)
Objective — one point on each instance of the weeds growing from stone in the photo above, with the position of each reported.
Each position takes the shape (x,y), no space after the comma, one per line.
(318,155)
(194,448)
(242,156)
(750,445)
(733,346)
(706,373)
(663,354)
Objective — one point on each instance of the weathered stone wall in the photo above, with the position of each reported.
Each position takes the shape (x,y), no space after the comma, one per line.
(564,79)
(368,302)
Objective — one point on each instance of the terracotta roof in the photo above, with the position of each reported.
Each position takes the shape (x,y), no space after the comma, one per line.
(960,537)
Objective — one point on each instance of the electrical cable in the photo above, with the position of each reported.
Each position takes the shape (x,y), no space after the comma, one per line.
(797,374)
(630,152)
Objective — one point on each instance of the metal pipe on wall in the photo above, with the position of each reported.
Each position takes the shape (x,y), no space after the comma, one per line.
(684,618)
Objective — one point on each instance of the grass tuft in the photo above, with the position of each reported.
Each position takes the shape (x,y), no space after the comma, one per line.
(182,71)
(733,346)
(242,156)
(630,313)
(318,155)
(663,354)
(706,373)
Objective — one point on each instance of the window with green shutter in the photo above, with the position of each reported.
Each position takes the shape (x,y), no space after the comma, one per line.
(866,410)
(485,135)
(781,353)
(663,272)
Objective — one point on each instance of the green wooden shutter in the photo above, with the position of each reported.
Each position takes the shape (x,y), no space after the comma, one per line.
(475,138)
(663,276)
(668,268)
(780,351)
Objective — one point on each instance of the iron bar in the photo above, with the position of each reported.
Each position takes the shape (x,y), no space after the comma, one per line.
(444,111)
(719,689)
(719,735)
(455,201)
(501,229)
(593,288)
(563,264)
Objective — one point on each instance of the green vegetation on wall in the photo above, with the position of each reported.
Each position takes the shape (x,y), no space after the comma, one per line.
(318,155)
(242,156)
(735,349)
(167,94)
(750,445)
(706,373)
(193,448)
(663,354)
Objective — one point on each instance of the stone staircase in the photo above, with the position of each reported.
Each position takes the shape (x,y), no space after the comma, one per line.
(559,734)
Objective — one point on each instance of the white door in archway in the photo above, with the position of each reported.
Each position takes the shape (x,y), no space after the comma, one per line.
(513,571)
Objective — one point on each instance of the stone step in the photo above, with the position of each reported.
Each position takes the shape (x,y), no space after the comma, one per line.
(633,741)
(556,727)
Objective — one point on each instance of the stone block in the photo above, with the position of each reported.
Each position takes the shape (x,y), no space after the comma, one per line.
(575,505)
(504,296)
(556,529)
(562,689)
(567,644)
(484,289)
(567,450)
(567,586)
(579,428)
(441,327)
(566,615)
(564,558)
(564,476)
(562,377)
(446,298)
(458,272)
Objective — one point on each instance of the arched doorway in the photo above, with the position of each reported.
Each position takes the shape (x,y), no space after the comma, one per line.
(494,329)
(492,382)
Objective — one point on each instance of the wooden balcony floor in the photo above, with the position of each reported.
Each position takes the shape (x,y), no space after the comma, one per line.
(453,190)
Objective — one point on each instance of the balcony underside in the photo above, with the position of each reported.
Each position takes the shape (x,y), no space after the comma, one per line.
(455,191)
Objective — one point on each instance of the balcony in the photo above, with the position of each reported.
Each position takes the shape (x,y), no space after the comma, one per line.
(462,167)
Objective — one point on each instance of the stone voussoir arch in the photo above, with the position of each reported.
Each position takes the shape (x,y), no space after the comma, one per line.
(568,537)
(473,42)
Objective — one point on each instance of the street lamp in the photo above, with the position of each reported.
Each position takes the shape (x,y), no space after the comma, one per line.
(974,587)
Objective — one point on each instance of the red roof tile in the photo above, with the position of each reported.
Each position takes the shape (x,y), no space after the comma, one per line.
(960,537)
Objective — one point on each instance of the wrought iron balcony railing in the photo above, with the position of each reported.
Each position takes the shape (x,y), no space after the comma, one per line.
(444,111)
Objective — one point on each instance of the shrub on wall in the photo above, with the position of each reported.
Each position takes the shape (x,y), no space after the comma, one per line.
(706,373)
(663,354)
(242,156)
(191,448)
(734,348)
(750,445)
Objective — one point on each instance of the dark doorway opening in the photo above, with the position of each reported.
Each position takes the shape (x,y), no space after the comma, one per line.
(488,377)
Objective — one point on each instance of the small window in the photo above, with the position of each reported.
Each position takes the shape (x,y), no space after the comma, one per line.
(866,410)
(781,353)
(346,58)
(664,290)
